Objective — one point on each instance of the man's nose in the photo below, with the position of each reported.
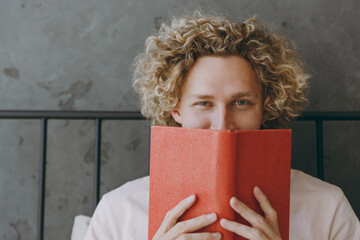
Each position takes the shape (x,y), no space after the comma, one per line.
(222,120)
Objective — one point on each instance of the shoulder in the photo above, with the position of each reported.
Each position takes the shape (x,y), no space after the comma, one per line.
(138,188)
(123,198)
(309,194)
(305,185)
(128,199)
(319,210)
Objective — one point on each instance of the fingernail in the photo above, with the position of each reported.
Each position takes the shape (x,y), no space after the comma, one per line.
(233,200)
(211,216)
(223,222)
(191,198)
(217,235)
(256,188)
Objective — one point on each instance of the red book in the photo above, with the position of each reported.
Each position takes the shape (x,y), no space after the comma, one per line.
(217,165)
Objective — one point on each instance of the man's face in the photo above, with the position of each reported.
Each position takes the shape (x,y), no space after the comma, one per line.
(220,93)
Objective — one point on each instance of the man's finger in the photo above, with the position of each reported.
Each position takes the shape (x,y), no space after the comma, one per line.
(200,236)
(190,225)
(269,211)
(173,215)
(243,230)
(256,220)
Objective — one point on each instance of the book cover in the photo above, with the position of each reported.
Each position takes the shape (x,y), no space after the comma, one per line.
(217,165)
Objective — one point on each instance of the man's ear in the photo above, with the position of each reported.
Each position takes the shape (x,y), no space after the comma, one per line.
(176,115)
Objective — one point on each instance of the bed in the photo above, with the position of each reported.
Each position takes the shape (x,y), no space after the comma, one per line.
(81,222)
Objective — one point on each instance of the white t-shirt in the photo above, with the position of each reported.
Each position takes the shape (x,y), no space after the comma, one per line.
(318,210)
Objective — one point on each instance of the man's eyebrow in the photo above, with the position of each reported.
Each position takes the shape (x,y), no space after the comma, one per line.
(235,95)
(243,94)
(202,96)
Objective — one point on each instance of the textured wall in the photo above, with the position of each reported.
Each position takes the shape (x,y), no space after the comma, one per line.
(77,55)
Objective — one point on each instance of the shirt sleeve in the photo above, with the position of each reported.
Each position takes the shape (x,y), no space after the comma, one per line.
(345,224)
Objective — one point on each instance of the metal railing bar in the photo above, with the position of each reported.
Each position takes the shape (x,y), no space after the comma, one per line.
(97,162)
(42,180)
(329,116)
(319,150)
(25,114)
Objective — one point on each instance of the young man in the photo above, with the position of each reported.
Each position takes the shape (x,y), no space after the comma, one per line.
(207,72)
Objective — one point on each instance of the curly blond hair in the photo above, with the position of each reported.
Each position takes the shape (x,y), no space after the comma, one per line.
(161,70)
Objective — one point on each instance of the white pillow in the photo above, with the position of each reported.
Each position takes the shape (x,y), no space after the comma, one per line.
(81,224)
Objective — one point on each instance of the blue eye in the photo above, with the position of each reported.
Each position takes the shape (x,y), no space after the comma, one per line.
(240,103)
(203,104)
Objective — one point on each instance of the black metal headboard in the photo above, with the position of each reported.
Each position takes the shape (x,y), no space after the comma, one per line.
(98,116)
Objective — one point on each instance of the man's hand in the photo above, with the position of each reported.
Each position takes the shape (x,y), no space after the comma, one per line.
(171,229)
(262,228)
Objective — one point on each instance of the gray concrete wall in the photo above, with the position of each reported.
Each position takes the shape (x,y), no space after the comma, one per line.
(77,55)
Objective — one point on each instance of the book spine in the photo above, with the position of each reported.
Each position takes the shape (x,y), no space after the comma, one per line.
(225,177)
